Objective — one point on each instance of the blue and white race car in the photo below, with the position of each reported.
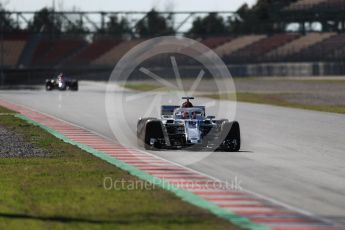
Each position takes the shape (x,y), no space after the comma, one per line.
(61,83)
(187,127)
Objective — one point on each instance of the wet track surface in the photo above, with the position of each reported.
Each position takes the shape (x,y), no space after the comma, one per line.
(295,157)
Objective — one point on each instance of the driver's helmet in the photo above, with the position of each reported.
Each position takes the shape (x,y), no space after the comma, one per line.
(187,104)
(185,115)
(60,76)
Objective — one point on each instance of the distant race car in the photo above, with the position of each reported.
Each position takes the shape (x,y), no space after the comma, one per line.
(61,83)
(188,127)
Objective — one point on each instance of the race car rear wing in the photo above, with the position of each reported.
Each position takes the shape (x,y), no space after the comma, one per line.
(169,109)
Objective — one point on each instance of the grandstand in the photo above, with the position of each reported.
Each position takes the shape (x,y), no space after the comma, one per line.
(296,46)
(329,13)
(11,50)
(255,51)
(304,5)
(114,55)
(96,50)
(331,5)
(52,52)
(321,51)
(92,51)
(283,47)
(319,5)
(214,42)
(236,44)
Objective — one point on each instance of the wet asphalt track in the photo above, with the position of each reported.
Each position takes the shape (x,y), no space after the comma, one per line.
(295,157)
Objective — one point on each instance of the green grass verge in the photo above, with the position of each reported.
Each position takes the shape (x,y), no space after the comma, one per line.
(65,190)
(275,99)
(4,110)
(328,81)
(260,98)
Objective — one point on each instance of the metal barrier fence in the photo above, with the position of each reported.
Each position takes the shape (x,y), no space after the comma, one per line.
(38,76)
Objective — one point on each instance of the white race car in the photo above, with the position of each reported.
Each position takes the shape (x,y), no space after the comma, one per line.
(61,83)
(188,127)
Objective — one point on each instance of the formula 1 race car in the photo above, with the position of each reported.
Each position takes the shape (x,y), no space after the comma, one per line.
(61,83)
(187,127)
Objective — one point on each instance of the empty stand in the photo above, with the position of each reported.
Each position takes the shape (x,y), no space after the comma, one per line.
(183,55)
(115,54)
(237,43)
(331,5)
(296,46)
(61,49)
(51,52)
(93,51)
(214,42)
(257,50)
(42,49)
(320,51)
(337,55)
(12,50)
(304,4)
(74,51)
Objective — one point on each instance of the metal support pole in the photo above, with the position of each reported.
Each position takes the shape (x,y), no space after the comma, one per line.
(2,75)
(102,21)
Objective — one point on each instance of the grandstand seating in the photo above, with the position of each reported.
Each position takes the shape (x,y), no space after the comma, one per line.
(43,47)
(182,57)
(337,55)
(214,42)
(74,51)
(304,4)
(12,49)
(320,51)
(237,43)
(256,51)
(332,4)
(60,50)
(296,46)
(115,54)
(92,51)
